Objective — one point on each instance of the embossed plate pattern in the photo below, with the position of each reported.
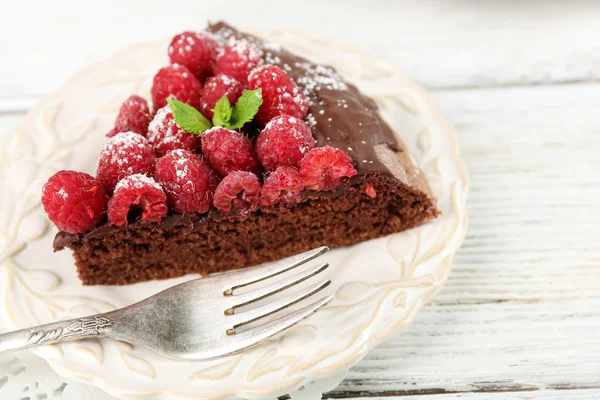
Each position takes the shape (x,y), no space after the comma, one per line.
(379,285)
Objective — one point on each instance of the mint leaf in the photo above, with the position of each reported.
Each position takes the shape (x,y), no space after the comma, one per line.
(188,117)
(246,108)
(222,112)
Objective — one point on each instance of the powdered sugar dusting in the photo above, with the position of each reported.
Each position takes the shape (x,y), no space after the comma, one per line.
(271,59)
(214,128)
(244,49)
(122,152)
(182,162)
(62,193)
(137,181)
(247,54)
(310,119)
(227,36)
(180,153)
(159,118)
(237,59)
(255,72)
(294,126)
(164,134)
(318,77)
(227,80)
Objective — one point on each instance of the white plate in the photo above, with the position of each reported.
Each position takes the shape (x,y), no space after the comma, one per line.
(379,286)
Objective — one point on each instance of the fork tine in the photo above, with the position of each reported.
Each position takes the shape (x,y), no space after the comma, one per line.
(255,335)
(271,308)
(259,273)
(279,286)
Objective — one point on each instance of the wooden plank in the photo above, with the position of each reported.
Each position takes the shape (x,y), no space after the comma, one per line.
(441,44)
(579,394)
(521,309)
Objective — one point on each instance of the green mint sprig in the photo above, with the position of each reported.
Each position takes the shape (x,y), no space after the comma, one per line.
(245,108)
(188,117)
(224,115)
(222,112)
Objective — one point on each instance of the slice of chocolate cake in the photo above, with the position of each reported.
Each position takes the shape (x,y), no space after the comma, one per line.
(232,219)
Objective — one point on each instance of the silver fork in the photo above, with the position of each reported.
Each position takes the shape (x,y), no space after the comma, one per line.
(196,320)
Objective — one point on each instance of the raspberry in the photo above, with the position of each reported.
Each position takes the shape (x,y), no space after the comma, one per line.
(74,201)
(195,50)
(280,94)
(134,116)
(140,193)
(165,135)
(217,87)
(284,141)
(229,151)
(178,81)
(124,154)
(237,60)
(284,186)
(187,180)
(323,168)
(239,191)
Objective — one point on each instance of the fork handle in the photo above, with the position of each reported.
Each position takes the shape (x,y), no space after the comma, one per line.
(73,329)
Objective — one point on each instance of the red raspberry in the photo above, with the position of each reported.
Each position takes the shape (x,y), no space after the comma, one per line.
(217,87)
(195,50)
(239,191)
(134,116)
(284,141)
(178,81)
(237,60)
(229,151)
(165,135)
(280,94)
(137,192)
(187,180)
(74,201)
(284,186)
(323,168)
(124,154)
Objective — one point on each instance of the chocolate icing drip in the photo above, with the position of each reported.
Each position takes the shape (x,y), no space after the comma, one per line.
(339,114)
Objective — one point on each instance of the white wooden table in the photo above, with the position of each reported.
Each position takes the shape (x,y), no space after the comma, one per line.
(520,315)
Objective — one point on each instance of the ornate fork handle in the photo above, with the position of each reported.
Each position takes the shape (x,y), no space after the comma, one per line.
(74,329)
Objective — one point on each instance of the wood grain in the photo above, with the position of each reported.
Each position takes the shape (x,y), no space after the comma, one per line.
(518,395)
(449,44)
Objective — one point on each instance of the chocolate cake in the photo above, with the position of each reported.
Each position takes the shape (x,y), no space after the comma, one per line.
(388,194)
